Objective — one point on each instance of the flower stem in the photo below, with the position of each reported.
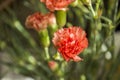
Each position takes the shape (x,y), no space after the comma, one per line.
(115,12)
(47,53)
(106,19)
(97,5)
(92,10)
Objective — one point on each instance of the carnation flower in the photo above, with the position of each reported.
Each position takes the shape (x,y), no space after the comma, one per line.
(57,4)
(36,21)
(70,42)
(40,21)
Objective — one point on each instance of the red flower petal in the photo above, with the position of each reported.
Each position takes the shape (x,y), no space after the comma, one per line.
(77,58)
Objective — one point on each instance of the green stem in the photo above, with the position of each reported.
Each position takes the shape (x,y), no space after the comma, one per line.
(106,19)
(92,10)
(115,12)
(97,5)
(47,53)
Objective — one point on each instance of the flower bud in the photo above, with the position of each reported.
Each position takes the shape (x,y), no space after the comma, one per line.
(61,18)
(53,65)
(44,38)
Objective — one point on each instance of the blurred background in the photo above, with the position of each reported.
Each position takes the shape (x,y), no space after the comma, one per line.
(22,56)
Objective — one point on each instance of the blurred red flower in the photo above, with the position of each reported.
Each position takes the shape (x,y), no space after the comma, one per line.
(40,21)
(53,65)
(36,21)
(57,4)
(70,42)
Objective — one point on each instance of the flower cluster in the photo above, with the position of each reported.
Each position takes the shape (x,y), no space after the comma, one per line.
(70,42)
(57,4)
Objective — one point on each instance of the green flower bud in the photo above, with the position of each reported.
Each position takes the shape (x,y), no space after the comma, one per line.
(61,18)
(44,38)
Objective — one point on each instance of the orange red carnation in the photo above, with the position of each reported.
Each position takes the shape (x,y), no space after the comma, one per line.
(40,21)
(70,42)
(57,4)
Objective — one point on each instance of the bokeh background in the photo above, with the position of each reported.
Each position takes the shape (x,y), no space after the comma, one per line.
(21,54)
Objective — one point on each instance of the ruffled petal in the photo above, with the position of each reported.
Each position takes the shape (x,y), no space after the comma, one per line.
(77,58)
